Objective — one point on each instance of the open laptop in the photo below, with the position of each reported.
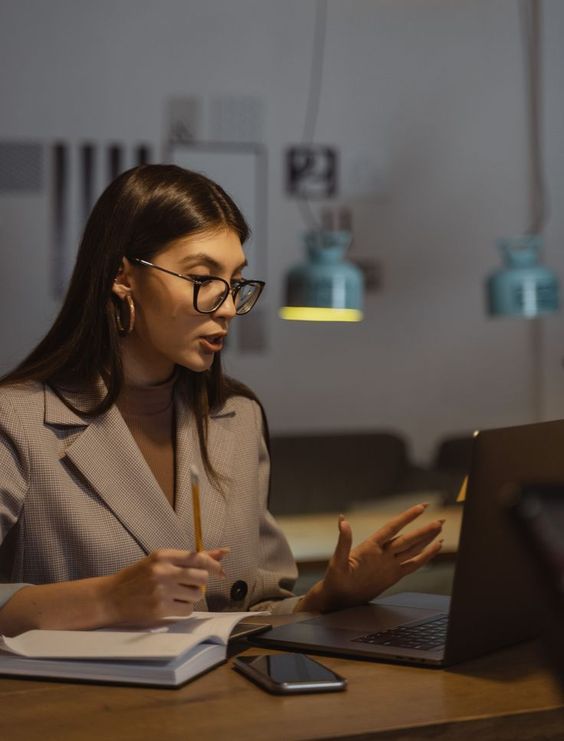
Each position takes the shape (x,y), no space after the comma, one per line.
(537,513)
(494,599)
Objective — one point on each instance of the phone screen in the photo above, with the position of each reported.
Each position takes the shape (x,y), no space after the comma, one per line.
(289,672)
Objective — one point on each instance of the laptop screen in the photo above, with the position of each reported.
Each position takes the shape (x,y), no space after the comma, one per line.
(495,597)
(537,511)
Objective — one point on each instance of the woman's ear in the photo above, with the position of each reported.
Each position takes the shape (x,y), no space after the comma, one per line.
(121,286)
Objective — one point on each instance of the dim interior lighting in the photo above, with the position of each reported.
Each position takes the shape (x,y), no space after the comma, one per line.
(319,314)
(327,287)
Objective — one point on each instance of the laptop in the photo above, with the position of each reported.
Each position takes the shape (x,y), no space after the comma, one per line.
(537,513)
(494,598)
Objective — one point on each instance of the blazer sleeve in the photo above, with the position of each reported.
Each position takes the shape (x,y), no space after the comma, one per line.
(14,483)
(277,570)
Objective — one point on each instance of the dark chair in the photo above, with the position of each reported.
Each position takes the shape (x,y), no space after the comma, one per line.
(445,474)
(331,472)
(452,464)
(454,453)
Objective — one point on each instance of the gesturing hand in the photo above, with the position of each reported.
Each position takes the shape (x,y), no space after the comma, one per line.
(165,583)
(357,575)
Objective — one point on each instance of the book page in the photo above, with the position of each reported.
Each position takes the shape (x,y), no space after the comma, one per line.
(158,644)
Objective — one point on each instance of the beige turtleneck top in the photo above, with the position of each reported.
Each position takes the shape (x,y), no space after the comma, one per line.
(148,411)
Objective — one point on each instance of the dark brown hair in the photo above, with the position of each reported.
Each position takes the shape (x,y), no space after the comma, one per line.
(139,213)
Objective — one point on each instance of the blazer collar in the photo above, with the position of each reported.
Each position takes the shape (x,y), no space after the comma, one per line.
(58,413)
(107,456)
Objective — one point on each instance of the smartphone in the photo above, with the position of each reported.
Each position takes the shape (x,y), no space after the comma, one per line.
(289,673)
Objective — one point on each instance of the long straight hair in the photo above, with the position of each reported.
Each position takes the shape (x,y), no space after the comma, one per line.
(139,213)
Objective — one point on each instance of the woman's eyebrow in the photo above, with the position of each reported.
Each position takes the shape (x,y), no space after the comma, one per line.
(202,259)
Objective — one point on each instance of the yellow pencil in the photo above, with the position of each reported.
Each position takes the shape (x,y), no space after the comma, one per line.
(195,479)
(194,476)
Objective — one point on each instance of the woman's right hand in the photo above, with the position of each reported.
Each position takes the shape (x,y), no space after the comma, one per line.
(165,583)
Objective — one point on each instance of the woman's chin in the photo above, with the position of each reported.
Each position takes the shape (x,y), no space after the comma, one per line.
(197,363)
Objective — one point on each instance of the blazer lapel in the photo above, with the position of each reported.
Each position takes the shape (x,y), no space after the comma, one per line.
(105,453)
(221,448)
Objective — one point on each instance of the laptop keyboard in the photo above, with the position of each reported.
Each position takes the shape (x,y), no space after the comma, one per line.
(422,636)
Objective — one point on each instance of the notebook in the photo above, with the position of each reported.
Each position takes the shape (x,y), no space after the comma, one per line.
(494,600)
(167,656)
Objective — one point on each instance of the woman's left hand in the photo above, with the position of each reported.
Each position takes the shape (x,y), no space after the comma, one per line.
(357,575)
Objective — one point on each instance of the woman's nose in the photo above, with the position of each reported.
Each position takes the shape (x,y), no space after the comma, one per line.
(227,308)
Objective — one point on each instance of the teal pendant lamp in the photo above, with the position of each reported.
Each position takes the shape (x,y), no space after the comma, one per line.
(327,287)
(522,287)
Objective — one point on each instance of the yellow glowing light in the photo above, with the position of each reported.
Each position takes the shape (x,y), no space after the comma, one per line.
(319,314)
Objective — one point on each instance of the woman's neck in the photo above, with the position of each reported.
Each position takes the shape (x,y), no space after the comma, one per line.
(139,371)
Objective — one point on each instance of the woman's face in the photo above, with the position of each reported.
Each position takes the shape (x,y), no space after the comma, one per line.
(168,331)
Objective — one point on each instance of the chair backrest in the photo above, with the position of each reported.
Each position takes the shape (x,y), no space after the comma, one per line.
(454,453)
(451,464)
(329,472)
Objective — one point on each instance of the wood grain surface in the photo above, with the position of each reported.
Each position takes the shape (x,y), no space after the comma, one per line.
(505,696)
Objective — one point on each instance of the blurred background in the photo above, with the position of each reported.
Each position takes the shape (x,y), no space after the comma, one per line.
(412,118)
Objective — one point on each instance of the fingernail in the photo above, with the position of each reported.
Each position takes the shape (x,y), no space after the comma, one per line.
(424,505)
(442,520)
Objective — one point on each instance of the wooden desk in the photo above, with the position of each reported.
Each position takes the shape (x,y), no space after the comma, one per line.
(313,537)
(506,696)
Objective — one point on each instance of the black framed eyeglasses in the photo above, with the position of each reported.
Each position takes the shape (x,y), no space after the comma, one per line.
(210,292)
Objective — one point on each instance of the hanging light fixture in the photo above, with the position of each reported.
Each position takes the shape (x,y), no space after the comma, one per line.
(327,287)
(524,287)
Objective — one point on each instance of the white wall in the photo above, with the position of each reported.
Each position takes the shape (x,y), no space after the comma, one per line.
(427,95)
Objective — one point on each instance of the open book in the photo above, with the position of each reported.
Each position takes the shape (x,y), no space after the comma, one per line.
(165,656)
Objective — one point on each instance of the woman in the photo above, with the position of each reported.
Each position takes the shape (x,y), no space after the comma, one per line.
(100,424)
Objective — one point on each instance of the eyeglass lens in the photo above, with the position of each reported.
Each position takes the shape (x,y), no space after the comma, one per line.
(212,293)
(246,297)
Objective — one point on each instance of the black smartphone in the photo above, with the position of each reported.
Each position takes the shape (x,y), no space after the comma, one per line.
(289,673)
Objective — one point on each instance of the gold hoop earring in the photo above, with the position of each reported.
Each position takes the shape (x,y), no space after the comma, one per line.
(131,318)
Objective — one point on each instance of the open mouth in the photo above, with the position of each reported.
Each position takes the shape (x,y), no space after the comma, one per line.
(212,342)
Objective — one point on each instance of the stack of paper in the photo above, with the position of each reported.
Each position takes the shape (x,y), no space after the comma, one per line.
(165,656)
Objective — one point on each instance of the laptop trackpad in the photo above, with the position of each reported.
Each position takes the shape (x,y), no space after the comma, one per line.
(372,618)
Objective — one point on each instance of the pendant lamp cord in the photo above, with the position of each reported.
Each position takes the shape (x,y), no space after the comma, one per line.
(531,19)
(314,95)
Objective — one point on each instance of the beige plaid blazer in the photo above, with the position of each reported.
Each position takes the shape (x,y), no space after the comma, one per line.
(77,499)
